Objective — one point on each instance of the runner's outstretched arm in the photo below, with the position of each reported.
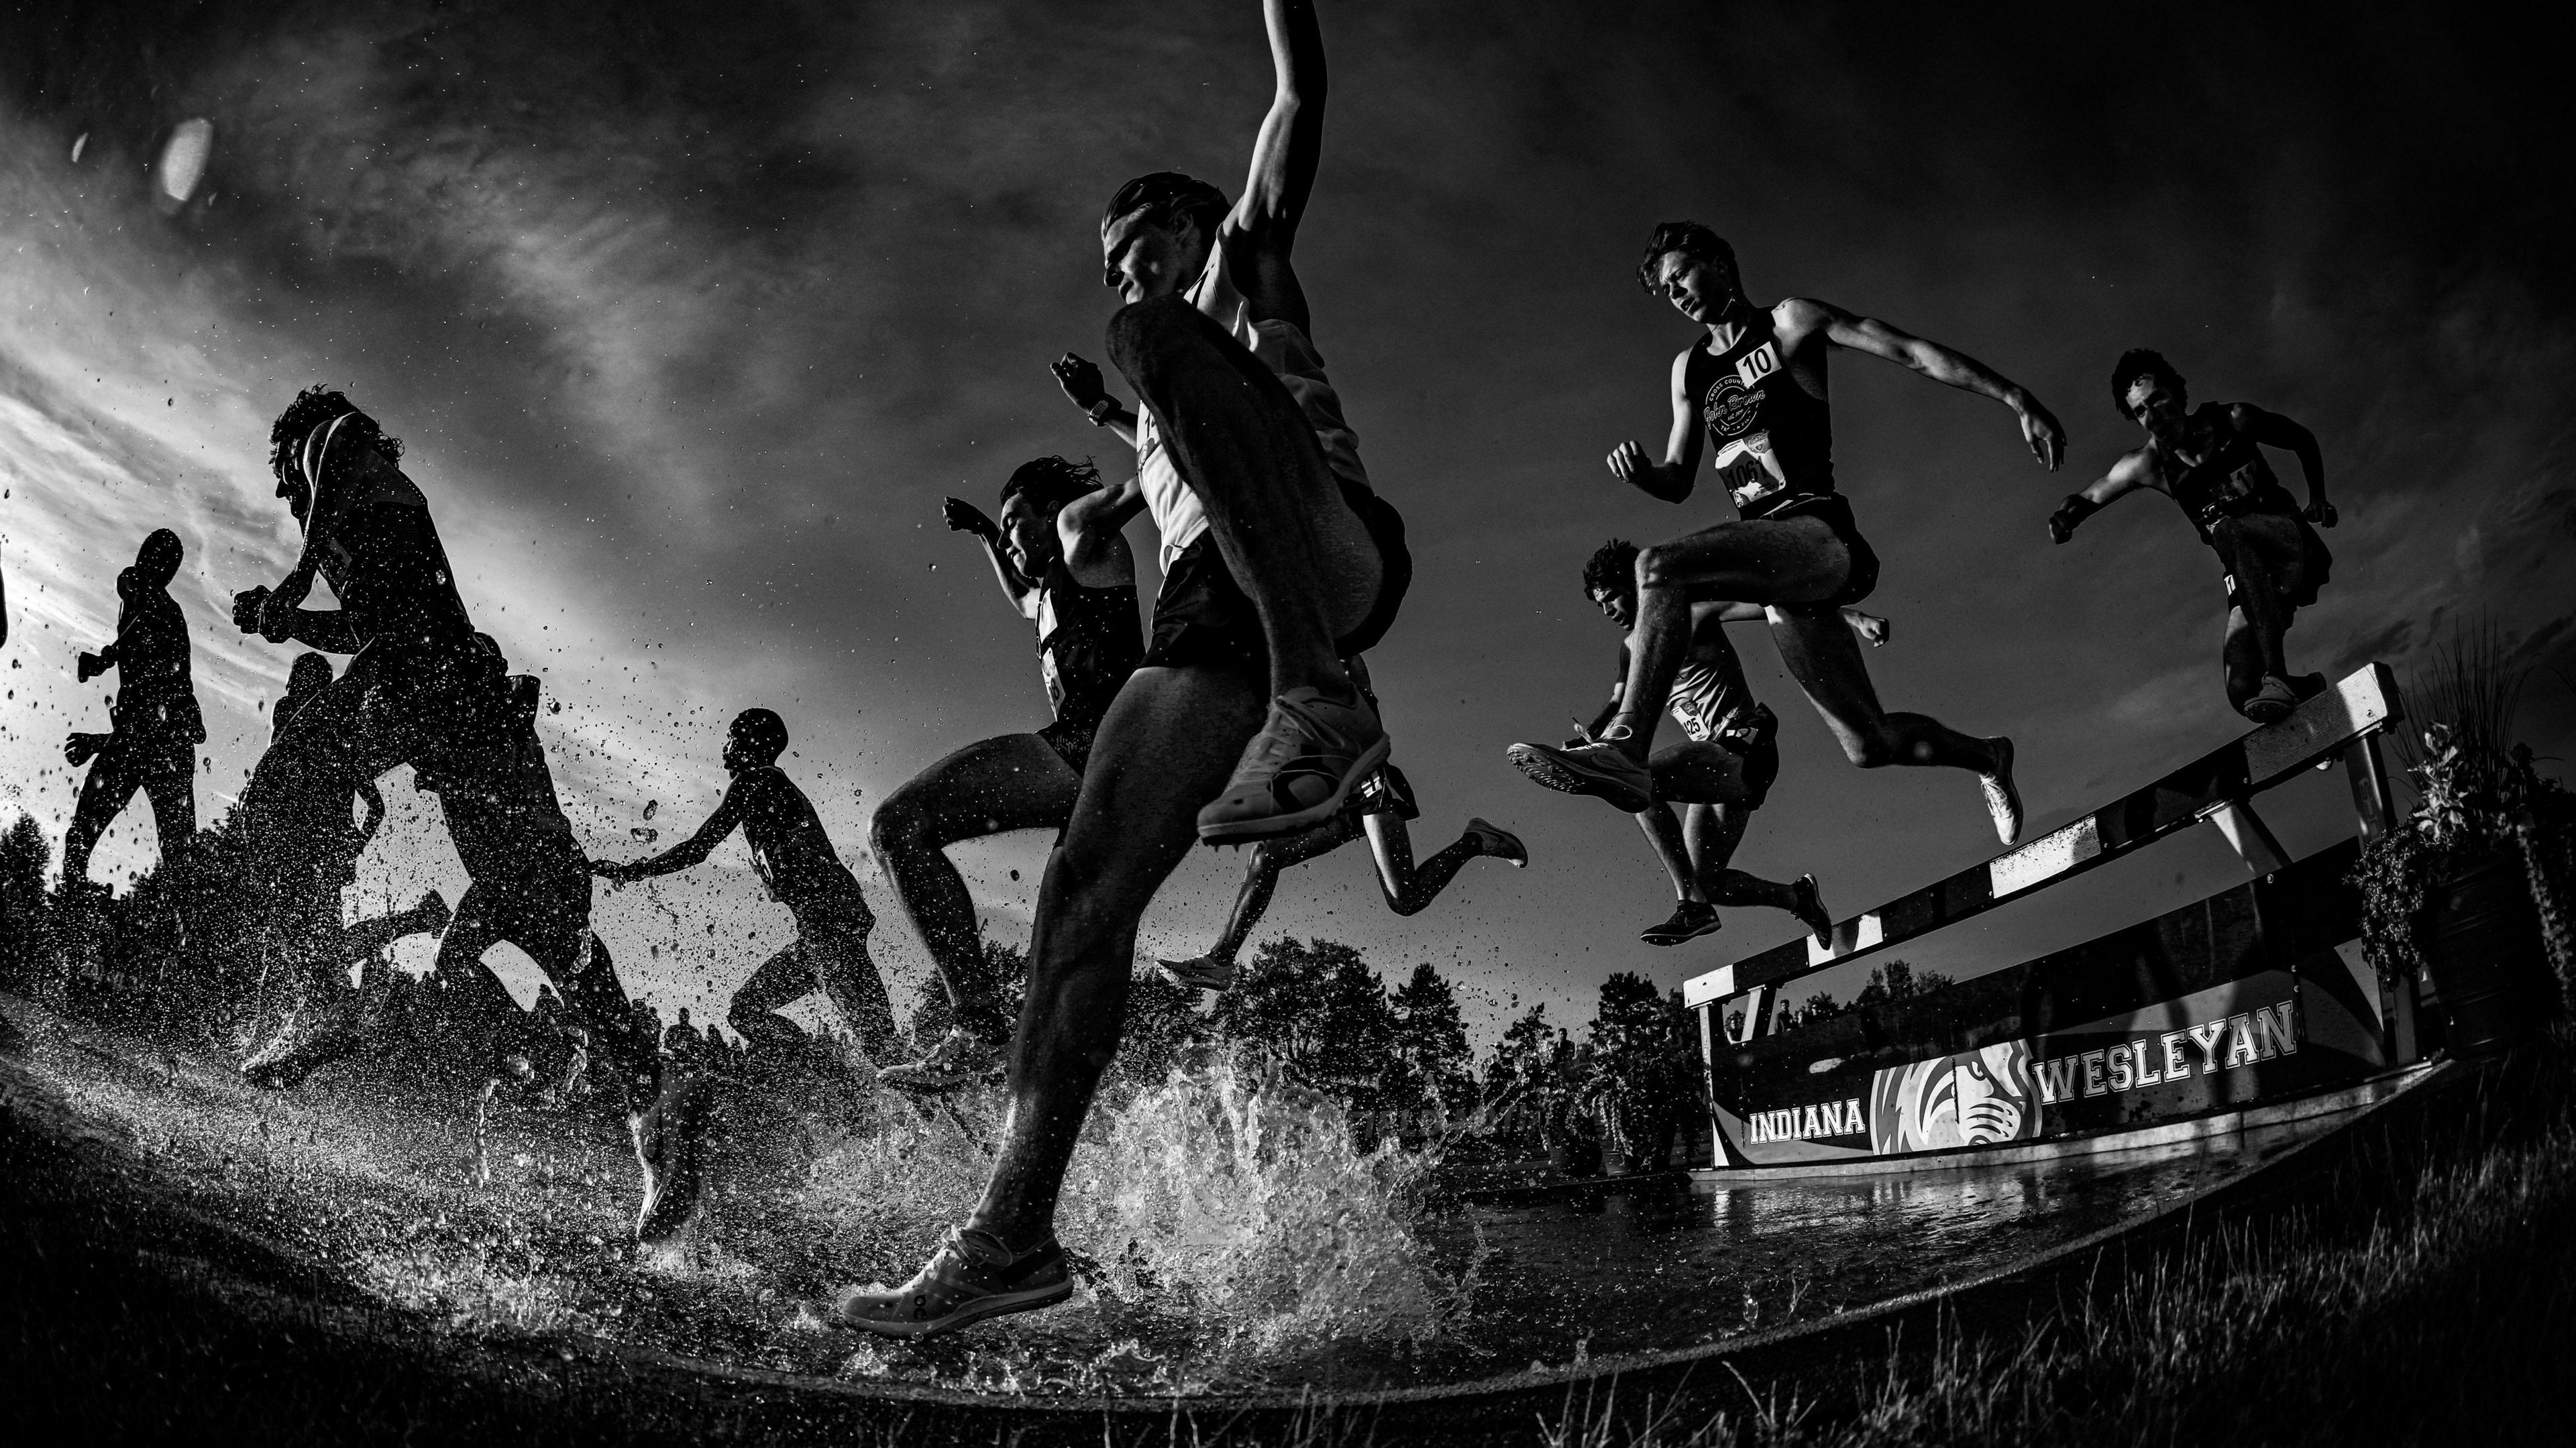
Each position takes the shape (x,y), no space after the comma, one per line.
(1672,479)
(2273,430)
(1081,380)
(1262,229)
(1872,629)
(2126,476)
(964,517)
(729,814)
(2039,427)
(1089,527)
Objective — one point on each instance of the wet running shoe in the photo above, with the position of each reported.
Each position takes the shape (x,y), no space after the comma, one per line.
(960,1059)
(1496,843)
(1601,770)
(669,1136)
(1296,773)
(1811,912)
(1691,920)
(2274,703)
(1208,972)
(2003,801)
(970,1278)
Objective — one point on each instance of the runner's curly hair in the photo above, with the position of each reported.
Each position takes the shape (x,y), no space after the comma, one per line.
(2140,362)
(1690,239)
(1051,482)
(1167,194)
(312,407)
(1612,566)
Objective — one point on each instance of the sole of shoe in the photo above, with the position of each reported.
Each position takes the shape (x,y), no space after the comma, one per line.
(964,1314)
(1548,771)
(1244,832)
(1661,936)
(2000,784)
(1178,972)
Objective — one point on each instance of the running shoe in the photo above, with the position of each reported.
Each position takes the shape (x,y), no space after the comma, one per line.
(1600,770)
(960,1059)
(1811,912)
(2274,703)
(2003,801)
(1495,842)
(313,1037)
(1208,972)
(1691,920)
(970,1278)
(1296,773)
(668,1137)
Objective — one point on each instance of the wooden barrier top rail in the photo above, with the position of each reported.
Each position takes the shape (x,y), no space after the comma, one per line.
(2348,713)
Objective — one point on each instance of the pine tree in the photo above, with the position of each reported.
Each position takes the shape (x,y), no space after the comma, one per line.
(1431,1036)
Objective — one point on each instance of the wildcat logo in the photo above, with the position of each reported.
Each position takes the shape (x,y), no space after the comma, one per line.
(1968,1099)
(2252,1037)
(1806,1123)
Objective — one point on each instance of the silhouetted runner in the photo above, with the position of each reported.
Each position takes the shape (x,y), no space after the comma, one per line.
(829,954)
(419,692)
(154,725)
(1088,642)
(1278,562)
(1722,771)
(2209,460)
(1756,387)
(1380,811)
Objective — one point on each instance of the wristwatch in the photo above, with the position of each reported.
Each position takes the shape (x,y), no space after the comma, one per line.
(1100,412)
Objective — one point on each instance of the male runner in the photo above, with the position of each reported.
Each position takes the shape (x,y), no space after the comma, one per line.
(2209,460)
(421,691)
(1384,805)
(1757,385)
(830,953)
(155,726)
(1214,339)
(803,872)
(1720,774)
(1088,643)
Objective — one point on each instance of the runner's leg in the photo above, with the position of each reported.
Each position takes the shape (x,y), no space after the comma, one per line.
(1410,888)
(848,978)
(780,981)
(1293,544)
(1784,560)
(1716,830)
(170,783)
(1168,743)
(1015,782)
(1261,878)
(1829,667)
(1672,851)
(2250,548)
(108,788)
(2241,659)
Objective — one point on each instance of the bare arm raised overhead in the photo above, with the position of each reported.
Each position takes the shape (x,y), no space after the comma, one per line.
(964,517)
(1261,230)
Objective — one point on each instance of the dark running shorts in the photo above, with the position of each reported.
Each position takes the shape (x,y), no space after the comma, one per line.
(1757,743)
(2307,574)
(1071,740)
(1835,510)
(1203,620)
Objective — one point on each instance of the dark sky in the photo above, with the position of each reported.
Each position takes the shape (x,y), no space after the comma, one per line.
(692,313)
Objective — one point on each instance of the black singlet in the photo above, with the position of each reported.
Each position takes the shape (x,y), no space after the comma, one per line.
(156,694)
(385,563)
(1774,440)
(2231,479)
(1088,643)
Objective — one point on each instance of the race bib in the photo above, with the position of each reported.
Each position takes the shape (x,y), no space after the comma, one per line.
(1757,364)
(1750,470)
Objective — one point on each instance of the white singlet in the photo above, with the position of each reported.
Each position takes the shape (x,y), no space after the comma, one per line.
(1282,347)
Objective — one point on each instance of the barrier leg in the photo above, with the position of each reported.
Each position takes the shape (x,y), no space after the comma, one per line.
(2248,835)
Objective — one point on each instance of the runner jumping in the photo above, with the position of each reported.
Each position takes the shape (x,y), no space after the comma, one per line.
(1383,807)
(1088,643)
(155,727)
(1278,563)
(2209,460)
(1757,386)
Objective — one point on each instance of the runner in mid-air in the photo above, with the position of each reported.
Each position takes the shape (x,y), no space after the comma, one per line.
(1088,643)
(796,861)
(1722,771)
(154,725)
(2209,460)
(1383,806)
(1756,385)
(1279,562)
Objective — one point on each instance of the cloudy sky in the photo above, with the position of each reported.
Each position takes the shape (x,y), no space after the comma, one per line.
(691,314)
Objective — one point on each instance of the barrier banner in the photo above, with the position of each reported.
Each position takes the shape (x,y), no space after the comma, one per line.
(2254,994)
